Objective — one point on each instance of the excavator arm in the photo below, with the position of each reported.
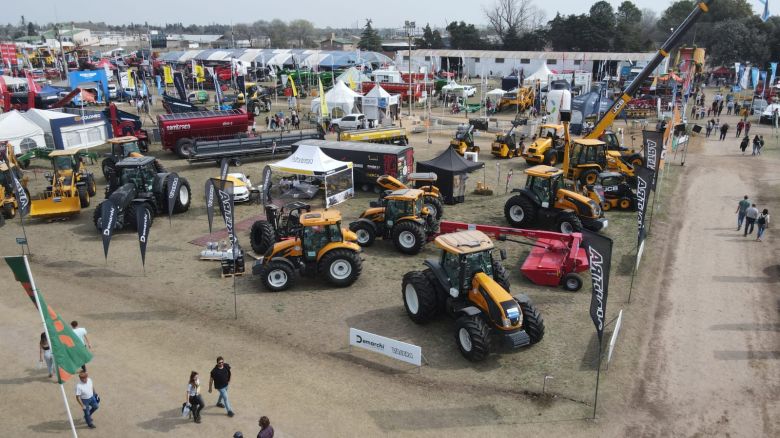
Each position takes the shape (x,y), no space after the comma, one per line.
(609,117)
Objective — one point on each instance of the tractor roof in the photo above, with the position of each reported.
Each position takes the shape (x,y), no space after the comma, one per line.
(405,195)
(64,152)
(121,140)
(589,141)
(464,242)
(135,162)
(320,217)
(422,176)
(543,171)
(552,125)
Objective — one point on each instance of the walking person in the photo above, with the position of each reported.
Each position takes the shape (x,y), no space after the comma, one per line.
(740,127)
(744,144)
(220,379)
(724,130)
(87,398)
(710,125)
(762,222)
(756,144)
(194,399)
(720,107)
(742,207)
(751,214)
(44,353)
(266,430)
(760,144)
(747,127)
(81,332)
(729,107)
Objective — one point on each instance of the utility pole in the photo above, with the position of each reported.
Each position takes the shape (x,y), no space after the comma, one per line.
(409,28)
(64,70)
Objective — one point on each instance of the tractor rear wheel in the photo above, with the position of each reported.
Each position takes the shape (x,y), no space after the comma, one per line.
(132,214)
(571,282)
(262,237)
(550,158)
(519,211)
(606,205)
(625,203)
(589,177)
(636,160)
(97,217)
(9,210)
(419,296)
(83,196)
(91,185)
(341,266)
(108,165)
(500,275)
(183,198)
(533,323)
(408,237)
(568,223)
(365,233)
(434,205)
(473,337)
(277,276)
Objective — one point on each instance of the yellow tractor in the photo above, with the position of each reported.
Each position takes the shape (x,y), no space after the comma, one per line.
(70,189)
(321,247)
(522,98)
(509,144)
(399,216)
(8,201)
(464,140)
(589,157)
(121,148)
(545,202)
(632,156)
(547,147)
(431,195)
(468,283)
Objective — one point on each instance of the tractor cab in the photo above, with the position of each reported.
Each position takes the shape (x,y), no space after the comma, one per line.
(403,203)
(124,147)
(462,257)
(464,140)
(612,142)
(318,229)
(547,146)
(139,171)
(618,151)
(543,183)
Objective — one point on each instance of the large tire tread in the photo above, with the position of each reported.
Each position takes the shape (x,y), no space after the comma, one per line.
(262,237)
(529,211)
(480,337)
(533,323)
(501,275)
(412,227)
(426,296)
(341,253)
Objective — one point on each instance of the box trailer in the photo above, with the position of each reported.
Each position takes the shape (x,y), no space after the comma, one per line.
(370,160)
(179,131)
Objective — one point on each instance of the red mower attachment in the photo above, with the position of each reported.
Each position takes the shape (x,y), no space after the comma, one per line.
(555,258)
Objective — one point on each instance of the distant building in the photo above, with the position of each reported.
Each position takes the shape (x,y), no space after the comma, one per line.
(69,34)
(395,46)
(333,43)
(191,41)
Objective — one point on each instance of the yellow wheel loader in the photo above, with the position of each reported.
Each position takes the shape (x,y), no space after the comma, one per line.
(468,283)
(464,140)
(321,247)
(431,195)
(547,146)
(71,186)
(509,144)
(400,216)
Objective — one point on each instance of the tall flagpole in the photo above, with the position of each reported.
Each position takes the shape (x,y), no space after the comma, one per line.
(48,339)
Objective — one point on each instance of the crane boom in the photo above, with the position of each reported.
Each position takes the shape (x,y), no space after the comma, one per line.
(612,113)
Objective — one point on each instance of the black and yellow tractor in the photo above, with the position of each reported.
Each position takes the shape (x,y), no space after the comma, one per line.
(71,187)
(545,202)
(400,216)
(468,283)
(589,157)
(615,191)
(509,144)
(629,155)
(464,140)
(277,225)
(547,146)
(431,195)
(121,148)
(320,247)
(8,201)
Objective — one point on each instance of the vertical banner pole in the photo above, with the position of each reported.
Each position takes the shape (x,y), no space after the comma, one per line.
(633,274)
(24,232)
(598,376)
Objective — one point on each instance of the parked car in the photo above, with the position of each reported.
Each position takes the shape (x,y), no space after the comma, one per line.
(469,90)
(351,121)
(112,91)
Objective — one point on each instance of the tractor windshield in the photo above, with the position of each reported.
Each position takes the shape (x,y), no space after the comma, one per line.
(478,262)
(547,131)
(129,148)
(539,187)
(137,176)
(397,208)
(63,163)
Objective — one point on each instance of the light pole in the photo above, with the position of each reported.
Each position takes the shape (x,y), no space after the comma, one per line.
(409,28)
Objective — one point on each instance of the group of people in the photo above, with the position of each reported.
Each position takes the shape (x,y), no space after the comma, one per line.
(758,143)
(279,121)
(748,213)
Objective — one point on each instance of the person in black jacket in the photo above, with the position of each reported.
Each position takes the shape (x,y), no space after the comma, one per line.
(220,379)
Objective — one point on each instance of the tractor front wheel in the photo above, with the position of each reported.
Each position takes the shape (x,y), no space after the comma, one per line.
(533,323)
(277,276)
(473,337)
(409,237)
(341,267)
(108,165)
(182,201)
(434,205)
(132,212)
(262,237)
(519,211)
(589,177)
(568,223)
(551,158)
(91,185)
(419,296)
(83,196)
(9,210)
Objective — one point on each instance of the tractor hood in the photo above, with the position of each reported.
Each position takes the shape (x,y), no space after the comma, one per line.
(496,303)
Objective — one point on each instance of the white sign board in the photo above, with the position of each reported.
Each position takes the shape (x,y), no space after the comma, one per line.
(613,340)
(389,347)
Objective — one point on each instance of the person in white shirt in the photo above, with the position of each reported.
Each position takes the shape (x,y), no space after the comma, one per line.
(751,214)
(81,332)
(87,398)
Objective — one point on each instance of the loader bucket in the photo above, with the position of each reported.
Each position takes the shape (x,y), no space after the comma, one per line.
(55,206)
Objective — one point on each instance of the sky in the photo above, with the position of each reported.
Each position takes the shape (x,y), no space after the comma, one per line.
(321,13)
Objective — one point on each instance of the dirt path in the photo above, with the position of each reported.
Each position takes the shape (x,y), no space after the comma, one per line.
(712,366)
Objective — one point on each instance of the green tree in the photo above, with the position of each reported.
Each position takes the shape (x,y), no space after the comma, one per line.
(31,29)
(278,33)
(465,36)
(738,40)
(431,39)
(369,39)
(535,41)
(599,30)
(303,32)
(627,29)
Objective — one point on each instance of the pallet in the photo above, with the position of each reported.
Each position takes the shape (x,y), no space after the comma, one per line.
(252,254)
(230,274)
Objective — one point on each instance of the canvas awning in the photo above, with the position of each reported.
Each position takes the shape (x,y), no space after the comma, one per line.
(310,160)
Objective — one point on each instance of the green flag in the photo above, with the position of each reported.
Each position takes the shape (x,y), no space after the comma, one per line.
(70,354)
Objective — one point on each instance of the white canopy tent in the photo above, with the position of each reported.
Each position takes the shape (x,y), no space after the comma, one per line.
(20,132)
(542,75)
(310,161)
(495,93)
(69,131)
(339,97)
(377,102)
(356,75)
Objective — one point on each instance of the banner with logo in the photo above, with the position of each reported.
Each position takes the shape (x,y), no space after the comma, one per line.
(223,168)
(599,250)
(210,197)
(386,346)
(644,177)
(266,185)
(21,196)
(178,82)
(108,215)
(653,144)
(754,76)
(143,219)
(225,199)
(172,185)
(200,75)
(772,71)
(167,74)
